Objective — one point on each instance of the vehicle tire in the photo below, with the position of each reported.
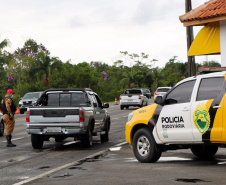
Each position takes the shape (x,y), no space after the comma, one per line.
(59,139)
(142,104)
(37,141)
(2,127)
(144,146)
(87,139)
(121,107)
(105,137)
(204,151)
(21,111)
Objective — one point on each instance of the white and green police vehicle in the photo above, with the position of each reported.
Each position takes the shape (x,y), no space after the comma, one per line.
(191,115)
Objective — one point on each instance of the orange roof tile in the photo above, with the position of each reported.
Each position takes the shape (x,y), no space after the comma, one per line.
(209,10)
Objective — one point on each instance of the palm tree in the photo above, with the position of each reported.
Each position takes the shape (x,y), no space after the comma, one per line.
(44,64)
(129,77)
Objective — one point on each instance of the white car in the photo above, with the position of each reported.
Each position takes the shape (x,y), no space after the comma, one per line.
(161,91)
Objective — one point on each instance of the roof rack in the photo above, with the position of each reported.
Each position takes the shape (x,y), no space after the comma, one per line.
(206,70)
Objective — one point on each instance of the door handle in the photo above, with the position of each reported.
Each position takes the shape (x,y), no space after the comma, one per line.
(185,109)
(216,106)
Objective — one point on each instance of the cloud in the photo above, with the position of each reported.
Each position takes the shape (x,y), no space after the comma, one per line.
(151,10)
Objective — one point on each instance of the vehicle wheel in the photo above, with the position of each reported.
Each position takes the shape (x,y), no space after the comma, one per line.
(37,141)
(105,137)
(87,139)
(121,107)
(59,139)
(204,151)
(142,104)
(144,146)
(127,107)
(21,111)
(2,126)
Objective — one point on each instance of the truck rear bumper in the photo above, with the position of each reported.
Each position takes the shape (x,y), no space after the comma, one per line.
(50,129)
(130,104)
(63,131)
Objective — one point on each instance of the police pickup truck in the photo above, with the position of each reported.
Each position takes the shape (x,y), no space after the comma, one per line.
(191,115)
(133,97)
(62,113)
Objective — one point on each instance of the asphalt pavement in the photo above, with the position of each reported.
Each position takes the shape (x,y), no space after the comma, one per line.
(118,165)
(104,163)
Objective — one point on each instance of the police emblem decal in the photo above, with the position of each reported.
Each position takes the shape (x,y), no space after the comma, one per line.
(201,118)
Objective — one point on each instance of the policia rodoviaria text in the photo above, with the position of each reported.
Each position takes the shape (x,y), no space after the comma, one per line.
(8,109)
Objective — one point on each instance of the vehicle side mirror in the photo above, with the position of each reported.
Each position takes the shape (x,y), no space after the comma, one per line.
(106,105)
(158,100)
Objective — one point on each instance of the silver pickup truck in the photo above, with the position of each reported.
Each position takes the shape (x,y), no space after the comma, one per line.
(133,97)
(62,113)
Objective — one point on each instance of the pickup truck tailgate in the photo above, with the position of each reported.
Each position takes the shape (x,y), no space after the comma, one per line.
(54,115)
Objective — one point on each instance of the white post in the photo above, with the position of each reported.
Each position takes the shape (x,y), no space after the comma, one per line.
(223,42)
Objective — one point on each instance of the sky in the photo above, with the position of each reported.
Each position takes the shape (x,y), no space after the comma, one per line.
(97,30)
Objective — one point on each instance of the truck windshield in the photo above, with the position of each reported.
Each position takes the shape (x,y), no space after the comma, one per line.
(133,91)
(66,99)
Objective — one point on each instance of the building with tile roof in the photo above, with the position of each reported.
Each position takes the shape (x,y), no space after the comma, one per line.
(212,37)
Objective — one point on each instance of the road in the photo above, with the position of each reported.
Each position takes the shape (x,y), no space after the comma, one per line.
(104,163)
(23,162)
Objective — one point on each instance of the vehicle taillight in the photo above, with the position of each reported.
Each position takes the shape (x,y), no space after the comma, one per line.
(120,97)
(81,114)
(139,96)
(28,116)
(156,93)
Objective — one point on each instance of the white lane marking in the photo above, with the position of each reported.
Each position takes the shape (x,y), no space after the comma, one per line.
(115,149)
(65,166)
(119,117)
(15,139)
(222,163)
(71,142)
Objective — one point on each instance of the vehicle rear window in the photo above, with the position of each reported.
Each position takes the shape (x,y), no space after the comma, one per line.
(210,88)
(31,96)
(163,90)
(133,91)
(66,99)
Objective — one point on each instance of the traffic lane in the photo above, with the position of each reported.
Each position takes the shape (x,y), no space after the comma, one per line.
(20,122)
(23,162)
(119,166)
(19,130)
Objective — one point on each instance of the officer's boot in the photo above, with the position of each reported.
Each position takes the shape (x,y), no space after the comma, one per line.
(9,143)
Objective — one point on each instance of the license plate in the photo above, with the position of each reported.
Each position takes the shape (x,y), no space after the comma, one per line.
(53,129)
(130,100)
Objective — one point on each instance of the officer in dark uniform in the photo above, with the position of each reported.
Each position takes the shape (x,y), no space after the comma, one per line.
(9,109)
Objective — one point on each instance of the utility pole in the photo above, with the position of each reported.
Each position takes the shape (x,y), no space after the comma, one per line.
(190,38)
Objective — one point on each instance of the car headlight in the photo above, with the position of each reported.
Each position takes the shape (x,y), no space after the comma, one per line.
(130,116)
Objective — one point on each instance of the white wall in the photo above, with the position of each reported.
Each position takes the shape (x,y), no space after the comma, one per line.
(223,42)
